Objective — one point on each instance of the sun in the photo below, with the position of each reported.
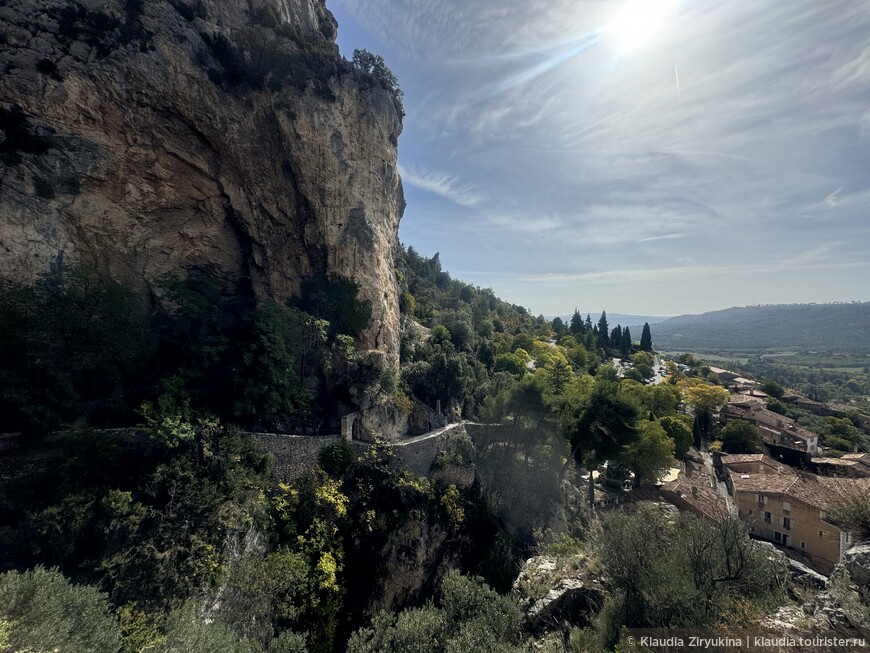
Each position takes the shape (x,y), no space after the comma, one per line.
(639,24)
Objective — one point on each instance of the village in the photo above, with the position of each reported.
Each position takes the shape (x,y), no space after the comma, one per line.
(785,494)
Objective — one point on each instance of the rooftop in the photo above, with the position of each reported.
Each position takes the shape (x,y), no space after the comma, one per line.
(819,491)
(701,499)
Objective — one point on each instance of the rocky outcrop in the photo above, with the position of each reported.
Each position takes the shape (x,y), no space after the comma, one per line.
(416,556)
(800,573)
(146,138)
(554,592)
(840,606)
(857,561)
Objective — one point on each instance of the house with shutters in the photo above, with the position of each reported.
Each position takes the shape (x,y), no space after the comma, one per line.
(791,508)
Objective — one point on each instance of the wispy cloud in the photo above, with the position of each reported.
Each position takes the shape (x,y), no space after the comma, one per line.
(442,184)
(664,237)
(586,156)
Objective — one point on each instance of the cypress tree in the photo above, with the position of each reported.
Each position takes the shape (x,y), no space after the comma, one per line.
(616,337)
(646,338)
(625,344)
(603,332)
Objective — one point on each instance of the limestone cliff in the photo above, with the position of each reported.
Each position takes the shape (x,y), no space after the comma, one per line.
(146,137)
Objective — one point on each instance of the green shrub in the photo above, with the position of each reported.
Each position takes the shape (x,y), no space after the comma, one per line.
(336,458)
(46,613)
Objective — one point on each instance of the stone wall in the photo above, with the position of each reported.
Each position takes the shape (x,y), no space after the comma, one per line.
(418,454)
(294,454)
(297,454)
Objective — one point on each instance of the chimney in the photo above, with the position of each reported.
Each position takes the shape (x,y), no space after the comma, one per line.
(695,491)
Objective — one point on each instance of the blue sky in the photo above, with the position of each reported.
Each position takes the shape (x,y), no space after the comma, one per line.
(726,162)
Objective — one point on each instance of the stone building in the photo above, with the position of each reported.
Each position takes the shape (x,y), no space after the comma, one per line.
(790,508)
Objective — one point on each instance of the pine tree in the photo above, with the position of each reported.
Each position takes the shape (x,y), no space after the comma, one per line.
(603,332)
(576,323)
(559,327)
(646,338)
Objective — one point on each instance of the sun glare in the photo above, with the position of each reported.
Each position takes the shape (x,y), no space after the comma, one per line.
(639,24)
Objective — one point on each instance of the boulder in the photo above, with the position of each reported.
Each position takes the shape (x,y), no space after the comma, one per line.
(570,601)
(553,592)
(857,561)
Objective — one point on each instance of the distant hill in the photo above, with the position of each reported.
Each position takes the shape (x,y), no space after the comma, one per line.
(844,327)
(619,318)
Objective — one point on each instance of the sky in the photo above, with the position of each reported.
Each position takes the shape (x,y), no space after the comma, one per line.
(656,157)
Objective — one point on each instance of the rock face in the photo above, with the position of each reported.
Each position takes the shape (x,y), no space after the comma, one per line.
(841,605)
(857,561)
(156,137)
(555,592)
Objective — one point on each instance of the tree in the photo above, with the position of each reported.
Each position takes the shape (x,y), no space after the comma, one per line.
(374,65)
(650,455)
(625,343)
(643,363)
(679,431)
(576,323)
(704,397)
(773,388)
(470,616)
(559,328)
(560,373)
(840,430)
(646,338)
(47,613)
(587,325)
(685,574)
(616,337)
(598,426)
(603,332)
(740,436)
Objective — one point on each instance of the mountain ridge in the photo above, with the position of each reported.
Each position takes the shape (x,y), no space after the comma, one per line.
(842,326)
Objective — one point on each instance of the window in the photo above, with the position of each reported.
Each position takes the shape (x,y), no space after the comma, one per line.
(803,544)
(786,522)
(786,505)
(821,533)
(767,517)
(777,536)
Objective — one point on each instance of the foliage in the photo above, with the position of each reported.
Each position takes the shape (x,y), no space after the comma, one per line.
(336,458)
(740,436)
(44,612)
(336,301)
(374,66)
(188,631)
(646,338)
(852,508)
(679,429)
(651,454)
(469,616)
(684,574)
(600,424)
(70,347)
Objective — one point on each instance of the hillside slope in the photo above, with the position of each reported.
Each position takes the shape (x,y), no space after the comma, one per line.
(842,327)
